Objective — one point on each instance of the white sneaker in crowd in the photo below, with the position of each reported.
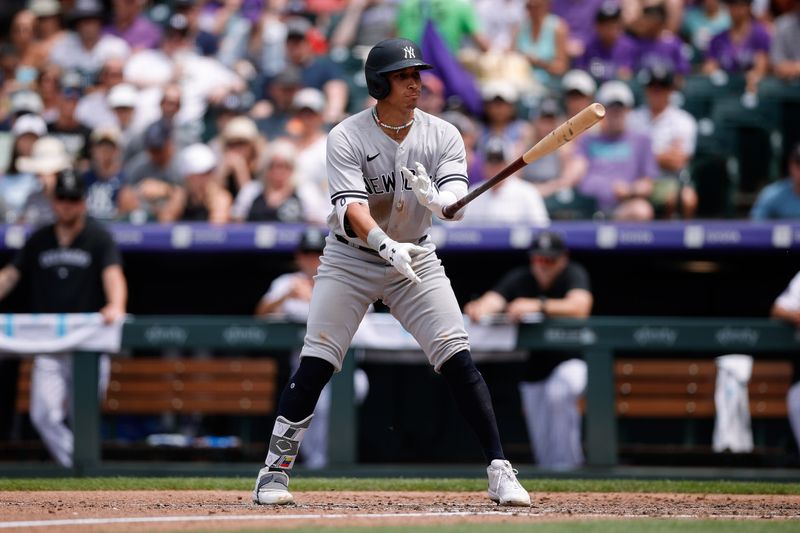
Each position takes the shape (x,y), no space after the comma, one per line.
(503,485)
(272,488)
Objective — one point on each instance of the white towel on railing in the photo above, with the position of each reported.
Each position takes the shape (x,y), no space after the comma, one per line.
(732,425)
(58,333)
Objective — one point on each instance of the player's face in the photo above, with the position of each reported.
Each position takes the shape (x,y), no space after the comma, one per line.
(69,211)
(405,88)
(546,268)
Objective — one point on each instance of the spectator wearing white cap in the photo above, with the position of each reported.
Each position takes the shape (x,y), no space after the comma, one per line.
(26,102)
(200,198)
(615,166)
(104,179)
(122,100)
(578,88)
(241,148)
(512,201)
(501,119)
(85,48)
(16,185)
(275,197)
(48,157)
(93,109)
(310,136)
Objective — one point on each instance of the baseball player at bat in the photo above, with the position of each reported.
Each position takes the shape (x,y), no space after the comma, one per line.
(390,168)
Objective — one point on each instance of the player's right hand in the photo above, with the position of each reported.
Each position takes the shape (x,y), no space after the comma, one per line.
(400,255)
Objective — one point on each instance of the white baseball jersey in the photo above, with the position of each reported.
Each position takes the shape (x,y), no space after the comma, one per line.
(364,165)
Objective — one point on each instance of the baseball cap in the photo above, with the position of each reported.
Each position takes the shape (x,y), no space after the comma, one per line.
(45,8)
(615,92)
(26,101)
(157,134)
(309,98)
(297,27)
(122,95)
(548,107)
(580,81)
(288,76)
(85,9)
(231,103)
(29,124)
(609,10)
(177,24)
(197,158)
(48,155)
(312,240)
(499,89)
(548,243)
(240,128)
(495,150)
(658,74)
(69,185)
(105,134)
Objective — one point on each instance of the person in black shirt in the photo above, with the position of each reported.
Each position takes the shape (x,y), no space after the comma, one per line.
(552,286)
(71,266)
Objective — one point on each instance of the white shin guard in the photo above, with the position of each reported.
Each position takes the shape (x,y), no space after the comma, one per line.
(285,442)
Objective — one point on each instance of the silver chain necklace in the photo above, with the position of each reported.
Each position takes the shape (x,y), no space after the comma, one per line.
(387,126)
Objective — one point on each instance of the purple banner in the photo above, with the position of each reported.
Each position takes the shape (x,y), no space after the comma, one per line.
(591,236)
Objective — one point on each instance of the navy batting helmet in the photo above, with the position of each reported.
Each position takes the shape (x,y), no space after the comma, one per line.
(388,56)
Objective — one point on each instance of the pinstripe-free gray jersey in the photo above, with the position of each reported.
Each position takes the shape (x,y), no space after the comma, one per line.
(364,164)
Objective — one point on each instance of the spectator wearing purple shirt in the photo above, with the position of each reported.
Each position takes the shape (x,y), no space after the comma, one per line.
(579,16)
(610,54)
(134,28)
(656,45)
(616,166)
(744,48)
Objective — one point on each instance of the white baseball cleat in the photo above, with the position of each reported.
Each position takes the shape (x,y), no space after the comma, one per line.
(503,485)
(272,488)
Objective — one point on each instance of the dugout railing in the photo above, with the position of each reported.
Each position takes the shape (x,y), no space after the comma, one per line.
(598,338)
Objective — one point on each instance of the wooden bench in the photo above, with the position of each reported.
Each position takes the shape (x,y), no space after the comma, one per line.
(140,386)
(669,388)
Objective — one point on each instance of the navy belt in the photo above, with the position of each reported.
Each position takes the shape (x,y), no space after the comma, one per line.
(365,248)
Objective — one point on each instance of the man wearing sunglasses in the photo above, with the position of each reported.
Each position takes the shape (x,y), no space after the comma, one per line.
(71,266)
(551,285)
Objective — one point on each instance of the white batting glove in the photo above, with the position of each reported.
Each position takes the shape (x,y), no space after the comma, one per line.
(427,194)
(400,255)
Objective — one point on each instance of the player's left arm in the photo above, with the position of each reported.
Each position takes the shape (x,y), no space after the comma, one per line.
(114,285)
(116,290)
(449,182)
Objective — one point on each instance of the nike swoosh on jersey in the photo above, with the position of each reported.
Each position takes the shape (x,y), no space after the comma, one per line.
(371,157)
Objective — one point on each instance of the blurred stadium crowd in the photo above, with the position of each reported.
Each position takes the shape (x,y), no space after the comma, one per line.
(217,110)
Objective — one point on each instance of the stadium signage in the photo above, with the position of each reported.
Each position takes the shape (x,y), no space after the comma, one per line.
(584,336)
(660,336)
(737,336)
(159,335)
(244,335)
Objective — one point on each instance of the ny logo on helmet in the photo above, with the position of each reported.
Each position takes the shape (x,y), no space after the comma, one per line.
(409,52)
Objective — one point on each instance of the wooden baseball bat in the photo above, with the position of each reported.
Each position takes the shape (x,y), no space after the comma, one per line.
(585,119)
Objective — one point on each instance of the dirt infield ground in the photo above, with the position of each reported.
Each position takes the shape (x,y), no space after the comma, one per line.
(215,510)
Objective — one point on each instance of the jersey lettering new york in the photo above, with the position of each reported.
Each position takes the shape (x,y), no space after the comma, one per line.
(384,183)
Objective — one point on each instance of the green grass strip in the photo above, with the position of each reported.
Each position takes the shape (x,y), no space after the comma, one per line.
(401,484)
(598,526)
